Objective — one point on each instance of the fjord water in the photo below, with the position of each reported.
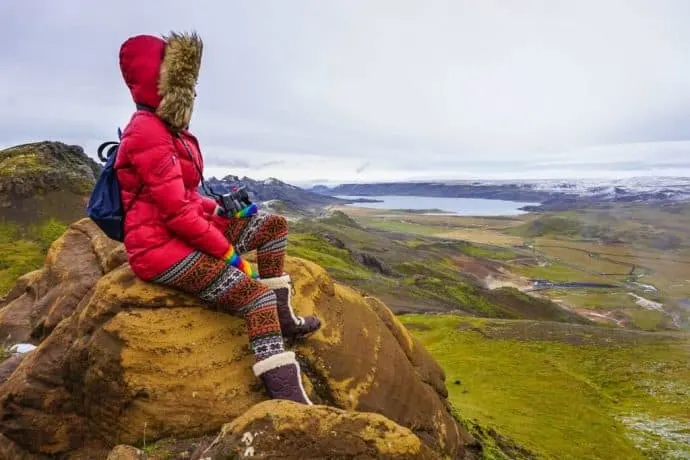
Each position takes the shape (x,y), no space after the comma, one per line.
(443,205)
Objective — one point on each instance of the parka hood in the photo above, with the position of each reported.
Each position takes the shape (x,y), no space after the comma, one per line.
(162,73)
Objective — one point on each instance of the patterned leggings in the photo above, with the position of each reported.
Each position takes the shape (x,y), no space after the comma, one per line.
(228,288)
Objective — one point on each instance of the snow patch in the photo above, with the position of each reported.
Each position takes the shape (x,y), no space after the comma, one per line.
(22,348)
(674,188)
(664,436)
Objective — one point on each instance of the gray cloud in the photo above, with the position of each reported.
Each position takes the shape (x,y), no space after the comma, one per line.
(389,89)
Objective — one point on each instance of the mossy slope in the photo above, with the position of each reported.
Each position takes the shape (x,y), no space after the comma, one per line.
(566,391)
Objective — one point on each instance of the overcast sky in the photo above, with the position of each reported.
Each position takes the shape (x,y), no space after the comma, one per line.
(309,91)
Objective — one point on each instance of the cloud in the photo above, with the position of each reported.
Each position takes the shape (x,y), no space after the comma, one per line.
(373,90)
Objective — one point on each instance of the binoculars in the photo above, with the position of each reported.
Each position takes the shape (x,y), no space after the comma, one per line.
(235,201)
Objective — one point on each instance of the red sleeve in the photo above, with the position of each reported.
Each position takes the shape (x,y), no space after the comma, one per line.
(155,161)
(208,204)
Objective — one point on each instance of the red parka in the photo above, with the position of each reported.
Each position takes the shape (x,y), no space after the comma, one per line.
(166,217)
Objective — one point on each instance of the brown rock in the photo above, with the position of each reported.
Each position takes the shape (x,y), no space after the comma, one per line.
(43,298)
(8,366)
(123,452)
(126,359)
(286,430)
(11,450)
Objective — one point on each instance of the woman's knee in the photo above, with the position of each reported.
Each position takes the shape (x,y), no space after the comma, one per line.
(277,224)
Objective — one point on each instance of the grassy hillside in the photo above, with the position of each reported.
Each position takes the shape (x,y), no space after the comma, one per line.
(420,274)
(566,391)
(24,249)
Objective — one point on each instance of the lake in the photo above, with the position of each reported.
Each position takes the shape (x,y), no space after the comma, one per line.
(437,205)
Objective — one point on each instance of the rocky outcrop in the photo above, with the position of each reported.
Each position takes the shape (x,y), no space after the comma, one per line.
(45,179)
(285,430)
(28,169)
(373,262)
(118,358)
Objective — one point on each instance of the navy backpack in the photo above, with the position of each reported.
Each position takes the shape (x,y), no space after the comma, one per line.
(105,205)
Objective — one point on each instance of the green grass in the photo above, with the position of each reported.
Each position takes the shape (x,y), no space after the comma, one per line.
(22,163)
(436,281)
(19,257)
(561,400)
(340,219)
(648,320)
(486,252)
(560,225)
(24,250)
(398,226)
(316,249)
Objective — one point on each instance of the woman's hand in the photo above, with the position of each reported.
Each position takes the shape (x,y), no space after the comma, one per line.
(233,258)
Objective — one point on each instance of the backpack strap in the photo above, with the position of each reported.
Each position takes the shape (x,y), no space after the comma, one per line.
(201,174)
(113,147)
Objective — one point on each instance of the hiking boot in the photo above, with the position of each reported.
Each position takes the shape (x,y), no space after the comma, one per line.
(294,327)
(282,377)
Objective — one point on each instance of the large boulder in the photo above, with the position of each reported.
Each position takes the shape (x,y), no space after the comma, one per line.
(120,360)
(286,430)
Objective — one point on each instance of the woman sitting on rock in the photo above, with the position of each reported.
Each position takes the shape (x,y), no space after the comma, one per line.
(176,237)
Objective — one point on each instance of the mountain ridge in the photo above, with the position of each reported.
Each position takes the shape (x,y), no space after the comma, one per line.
(552,195)
(293,197)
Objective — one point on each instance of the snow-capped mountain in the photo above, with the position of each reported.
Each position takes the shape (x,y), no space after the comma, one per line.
(663,187)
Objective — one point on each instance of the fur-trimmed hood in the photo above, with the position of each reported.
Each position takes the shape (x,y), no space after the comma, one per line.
(162,73)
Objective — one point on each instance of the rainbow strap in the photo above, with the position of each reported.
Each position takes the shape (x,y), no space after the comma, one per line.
(246,212)
(234,259)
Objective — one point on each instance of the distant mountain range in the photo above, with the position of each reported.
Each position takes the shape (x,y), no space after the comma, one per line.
(538,195)
(553,195)
(293,197)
